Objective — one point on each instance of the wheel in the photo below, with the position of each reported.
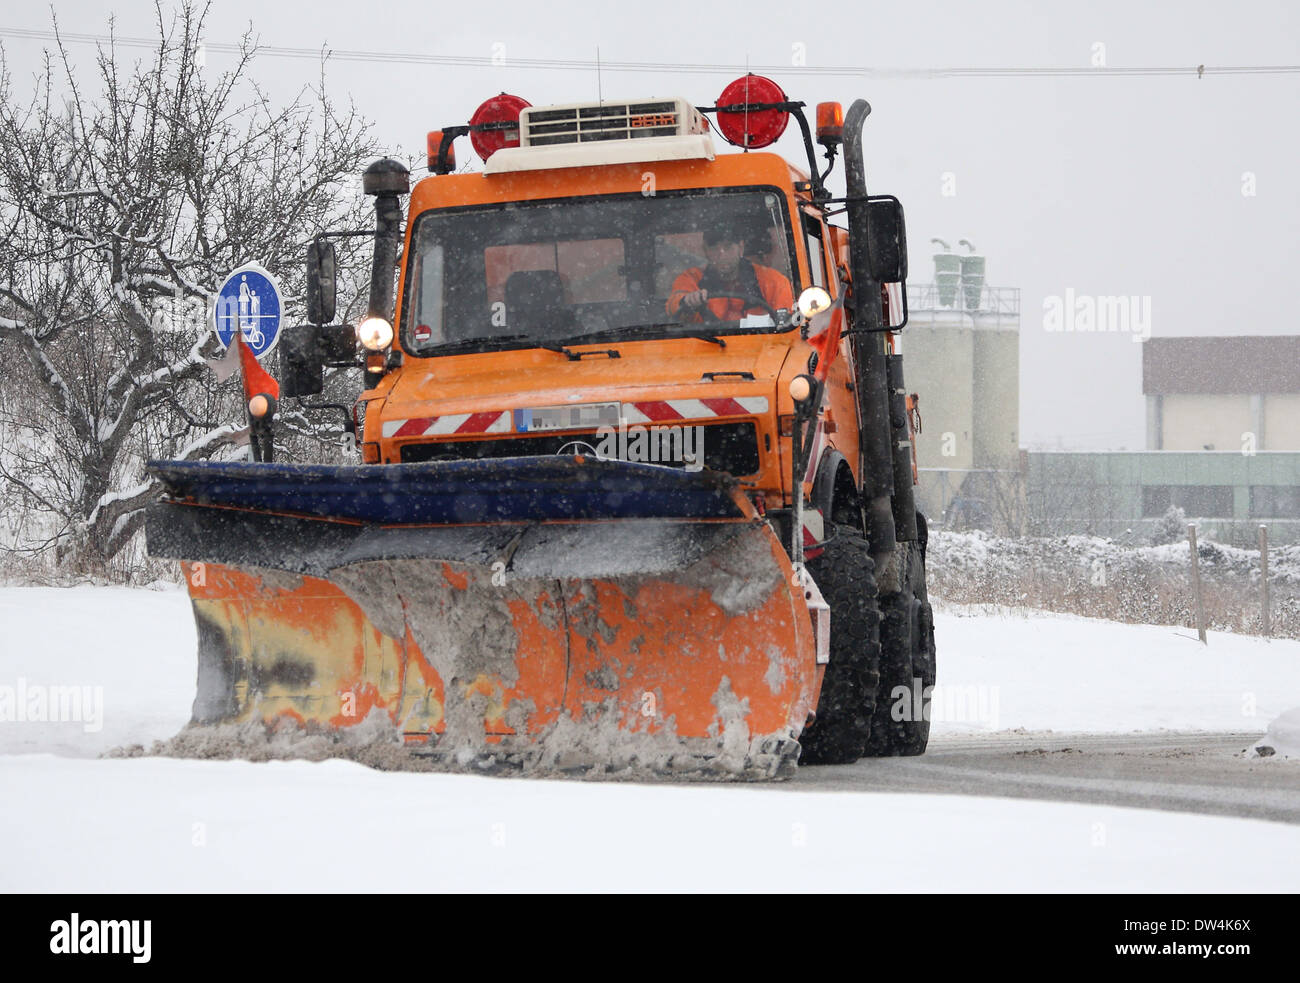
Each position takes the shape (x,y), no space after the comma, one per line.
(845,575)
(901,724)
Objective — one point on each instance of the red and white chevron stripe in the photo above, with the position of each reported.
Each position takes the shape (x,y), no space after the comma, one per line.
(655,411)
(894,294)
(493,422)
(666,411)
(814,531)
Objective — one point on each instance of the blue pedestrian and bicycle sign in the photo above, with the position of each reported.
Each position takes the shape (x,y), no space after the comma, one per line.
(249,302)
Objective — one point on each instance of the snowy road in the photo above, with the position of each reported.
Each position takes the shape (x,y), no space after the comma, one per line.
(1177,772)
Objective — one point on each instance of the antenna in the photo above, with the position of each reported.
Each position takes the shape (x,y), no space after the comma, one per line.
(599,96)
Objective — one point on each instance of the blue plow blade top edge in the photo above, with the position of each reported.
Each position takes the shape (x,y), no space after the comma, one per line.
(517,489)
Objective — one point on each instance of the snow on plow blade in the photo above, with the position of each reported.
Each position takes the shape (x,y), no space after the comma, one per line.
(539,615)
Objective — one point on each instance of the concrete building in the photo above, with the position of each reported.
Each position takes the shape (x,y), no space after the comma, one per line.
(1223,428)
(1223,438)
(961,351)
(1123,493)
(1221,394)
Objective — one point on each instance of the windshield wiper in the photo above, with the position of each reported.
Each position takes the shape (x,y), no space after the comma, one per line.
(643,332)
(497,342)
(705,336)
(646,332)
(552,346)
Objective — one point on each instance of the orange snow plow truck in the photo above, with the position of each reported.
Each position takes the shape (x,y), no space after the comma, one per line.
(635,490)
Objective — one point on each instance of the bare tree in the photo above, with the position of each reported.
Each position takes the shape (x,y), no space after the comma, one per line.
(120,213)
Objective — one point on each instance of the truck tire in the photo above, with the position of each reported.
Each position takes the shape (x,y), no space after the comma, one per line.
(901,724)
(845,574)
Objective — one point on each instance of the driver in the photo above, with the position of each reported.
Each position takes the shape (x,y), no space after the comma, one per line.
(728,277)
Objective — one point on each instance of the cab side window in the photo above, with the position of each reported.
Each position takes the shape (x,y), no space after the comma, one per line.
(812,228)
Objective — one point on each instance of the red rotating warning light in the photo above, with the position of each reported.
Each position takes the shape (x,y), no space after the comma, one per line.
(435,148)
(757,127)
(502,109)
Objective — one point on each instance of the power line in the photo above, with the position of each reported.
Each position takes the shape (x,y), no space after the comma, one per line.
(676,68)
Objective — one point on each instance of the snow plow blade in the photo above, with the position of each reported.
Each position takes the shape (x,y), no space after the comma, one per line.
(529,615)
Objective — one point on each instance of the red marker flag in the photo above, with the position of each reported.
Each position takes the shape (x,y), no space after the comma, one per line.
(256,379)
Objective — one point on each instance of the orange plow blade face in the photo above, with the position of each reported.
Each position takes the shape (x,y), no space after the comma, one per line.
(625,649)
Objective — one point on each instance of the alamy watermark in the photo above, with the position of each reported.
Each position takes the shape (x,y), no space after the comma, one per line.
(655,444)
(1088,314)
(974,704)
(73,937)
(183,313)
(34,703)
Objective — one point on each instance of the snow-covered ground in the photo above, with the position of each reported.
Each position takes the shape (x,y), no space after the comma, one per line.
(166,825)
(135,649)
(1283,737)
(996,671)
(1065,673)
(159,824)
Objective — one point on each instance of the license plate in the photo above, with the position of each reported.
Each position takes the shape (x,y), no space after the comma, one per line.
(581,416)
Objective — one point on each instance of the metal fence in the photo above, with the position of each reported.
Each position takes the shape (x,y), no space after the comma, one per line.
(1003,301)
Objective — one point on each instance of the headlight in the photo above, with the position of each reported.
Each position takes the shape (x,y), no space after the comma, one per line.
(375,333)
(813,301)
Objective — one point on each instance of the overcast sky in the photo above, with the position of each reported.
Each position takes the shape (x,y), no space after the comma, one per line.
(1102,185)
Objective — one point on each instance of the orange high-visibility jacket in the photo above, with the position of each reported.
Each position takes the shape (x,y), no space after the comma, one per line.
(774,287)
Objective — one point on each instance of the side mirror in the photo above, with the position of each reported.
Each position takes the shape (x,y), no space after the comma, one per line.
(305,350)
(301,364)
(887,239)
(322,281)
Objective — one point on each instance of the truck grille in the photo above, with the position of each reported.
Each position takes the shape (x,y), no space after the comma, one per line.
(729,447)
(549,125)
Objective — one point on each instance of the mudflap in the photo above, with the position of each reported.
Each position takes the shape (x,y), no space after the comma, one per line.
(614,647)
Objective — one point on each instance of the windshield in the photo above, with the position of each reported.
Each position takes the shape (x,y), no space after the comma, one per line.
(562,270)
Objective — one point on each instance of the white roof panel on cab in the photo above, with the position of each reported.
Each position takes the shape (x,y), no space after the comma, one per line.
(584,134)
(697,146)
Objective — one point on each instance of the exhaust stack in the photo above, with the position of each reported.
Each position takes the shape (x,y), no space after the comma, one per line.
(386,179)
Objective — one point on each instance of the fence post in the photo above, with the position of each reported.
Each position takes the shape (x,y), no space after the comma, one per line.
(1263,580)
(1196,585)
